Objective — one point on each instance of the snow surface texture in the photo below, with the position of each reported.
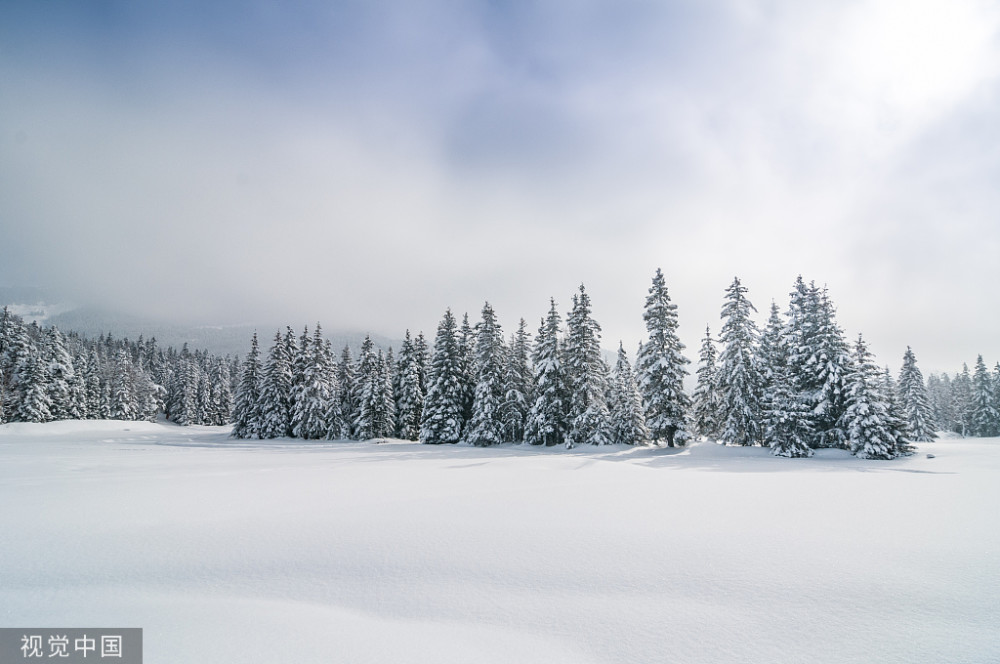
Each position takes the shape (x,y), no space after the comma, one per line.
(294,551)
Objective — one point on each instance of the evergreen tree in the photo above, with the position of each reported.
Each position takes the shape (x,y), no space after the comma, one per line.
(983,418)
(486,427)
(364,376)
(312,405)
(247,417)
(961,401)
(706,396)
(660,368)
(442,415)
(830,365)
(896,415)
(939,394)
(59,369)
(123,406)
(35,404)
(547,420)
(867,419)
(468,370)
(409,394)
(275,391)
(739,376)
(348,381)
(377,414)
(517,385)
(586,373)
(918,416)
(627,415)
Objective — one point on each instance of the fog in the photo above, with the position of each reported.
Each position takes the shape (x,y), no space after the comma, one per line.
(368,165)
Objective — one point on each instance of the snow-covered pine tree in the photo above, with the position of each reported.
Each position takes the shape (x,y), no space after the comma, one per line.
(830,365)
(660,369)
(78,387)
(60,374)
(123,406)
(787,416)
(918,417)
(312,405)
(983,418)
(377,413)
(517,385)
(961,401)
(275,391)
(409,395)
(587,377)
(247,420)
(897,419)
(867,419)
(485,427)
(294,363)
(772,351)
(348,381)
(939,394)
(706,403)
(628,418)
(441,420)
(468,373)
(364,375)
(739,377)
(221,392)
(547,420)
(337,427)
(35,403)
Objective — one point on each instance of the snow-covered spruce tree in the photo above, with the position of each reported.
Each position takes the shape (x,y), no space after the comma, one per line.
(467,363)
(706,397)
(587,377)
(442,416)
(376,416)
(123,406)
(35,404)
(247,419)
(739,377)
(337,427)
(364,374)
(787,421)
(772,352)
(867,419)
(486,428)
(983,418)
(409,394)
(294,363)
(348,381)
(918,417)
(78,387)
(628,419)
(830,365)
(660,369)
(939,394)
(896,420)
(547,419)
(312,405)
(961,401)
(59,367)
(517,385)
(275,391)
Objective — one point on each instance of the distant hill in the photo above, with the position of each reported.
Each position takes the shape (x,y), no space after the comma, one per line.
(43,305)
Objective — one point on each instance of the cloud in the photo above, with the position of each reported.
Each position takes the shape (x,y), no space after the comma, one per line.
(370,165)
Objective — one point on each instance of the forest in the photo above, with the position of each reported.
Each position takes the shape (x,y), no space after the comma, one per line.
(796,385)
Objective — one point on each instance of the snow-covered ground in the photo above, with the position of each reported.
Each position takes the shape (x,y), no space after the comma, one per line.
(288,551)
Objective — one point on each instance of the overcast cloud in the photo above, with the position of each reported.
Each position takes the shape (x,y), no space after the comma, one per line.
(368,164)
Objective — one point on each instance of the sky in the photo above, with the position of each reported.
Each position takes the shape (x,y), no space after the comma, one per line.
(370,164)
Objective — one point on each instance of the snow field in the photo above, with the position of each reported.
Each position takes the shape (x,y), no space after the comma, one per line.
(236,551)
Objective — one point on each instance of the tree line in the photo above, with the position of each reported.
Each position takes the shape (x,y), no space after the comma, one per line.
(795,386)
(46,376)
